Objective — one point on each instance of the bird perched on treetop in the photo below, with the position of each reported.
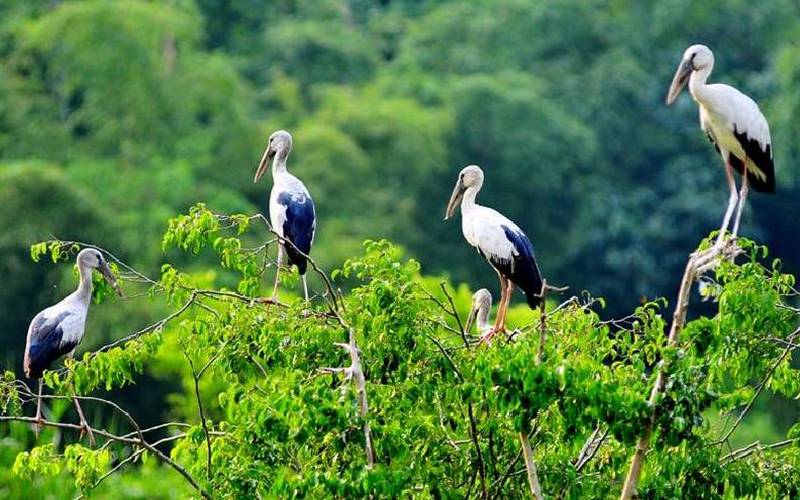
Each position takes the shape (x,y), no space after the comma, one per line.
(291,209)
(734,124)
(500,241)
(58,330)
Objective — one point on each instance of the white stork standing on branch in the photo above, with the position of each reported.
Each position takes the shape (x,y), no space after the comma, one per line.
(291,209)
(500,241)
(736,126)
(58,330)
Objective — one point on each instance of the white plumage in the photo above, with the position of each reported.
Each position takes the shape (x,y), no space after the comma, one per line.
(57,330)
(499,240)
(736,126)
(483,229)
(726,112)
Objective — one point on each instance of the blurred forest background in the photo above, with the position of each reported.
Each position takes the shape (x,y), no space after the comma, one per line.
(115,116)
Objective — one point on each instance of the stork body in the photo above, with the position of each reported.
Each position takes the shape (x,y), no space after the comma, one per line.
(735,125)
(291,209)
(500,241)
(57,330)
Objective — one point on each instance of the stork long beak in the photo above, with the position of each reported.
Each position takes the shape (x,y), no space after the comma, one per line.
(679,80)
(269,153)
(455,198)
(105,270)
(473,314)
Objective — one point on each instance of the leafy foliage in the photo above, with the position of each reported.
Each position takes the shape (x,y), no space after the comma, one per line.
(444,414)
(116,115)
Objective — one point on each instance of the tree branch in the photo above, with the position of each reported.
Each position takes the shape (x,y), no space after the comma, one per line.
(355,373)
(698,263)
(131,441)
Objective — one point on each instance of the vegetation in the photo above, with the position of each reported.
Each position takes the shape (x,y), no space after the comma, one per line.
(117,115)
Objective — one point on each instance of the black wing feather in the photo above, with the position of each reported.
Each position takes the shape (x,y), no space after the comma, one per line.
(298,228)
(45,344)
(522,270)
(761,157)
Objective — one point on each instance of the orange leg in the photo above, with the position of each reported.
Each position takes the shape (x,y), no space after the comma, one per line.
(497,322)
(504,305)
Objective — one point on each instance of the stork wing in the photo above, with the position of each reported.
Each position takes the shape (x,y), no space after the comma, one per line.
(752,132)
(297,219)
(46,342)
(509,251)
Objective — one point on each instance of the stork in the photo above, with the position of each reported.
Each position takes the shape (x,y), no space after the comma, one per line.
(734,124)
(479,314)
(291,209)
(59,329)
(498,240)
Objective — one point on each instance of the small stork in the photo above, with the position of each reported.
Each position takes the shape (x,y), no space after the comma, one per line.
(479,314)
(500,241)
(58,330)
(734,124)
(291,209)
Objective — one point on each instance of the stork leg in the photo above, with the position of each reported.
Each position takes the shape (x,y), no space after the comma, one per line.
(84,424)
(277,273)
(504,305)
(39,420)
(305,287)
(742,198)
(731,203)
(497,328)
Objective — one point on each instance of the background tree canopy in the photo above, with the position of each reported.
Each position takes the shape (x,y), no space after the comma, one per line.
(117,115)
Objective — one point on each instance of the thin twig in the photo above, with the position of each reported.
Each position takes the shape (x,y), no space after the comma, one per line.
(136,442)
(474,435)
(760,387)
(203,421)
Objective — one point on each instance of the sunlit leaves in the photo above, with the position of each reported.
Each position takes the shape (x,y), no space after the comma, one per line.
(39,460)
(86,465)
(108,369)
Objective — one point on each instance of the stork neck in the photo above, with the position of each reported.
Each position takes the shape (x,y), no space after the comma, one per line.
(468,201)
(279,163)
(482,318)
(84,291)
(697,83)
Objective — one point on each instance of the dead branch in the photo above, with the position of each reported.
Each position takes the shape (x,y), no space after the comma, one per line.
(530,466)
(590,447)
(699,262)
(355,373)
(754,447)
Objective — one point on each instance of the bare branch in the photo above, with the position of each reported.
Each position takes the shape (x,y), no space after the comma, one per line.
(754,447)
(132,441)
(196,376)
(355,373)
(699,262)
(761,385)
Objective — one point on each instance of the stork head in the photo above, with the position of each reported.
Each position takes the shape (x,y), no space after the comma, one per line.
(91,258)
(280,143)
(481,305)
(469,177)
(695,58)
